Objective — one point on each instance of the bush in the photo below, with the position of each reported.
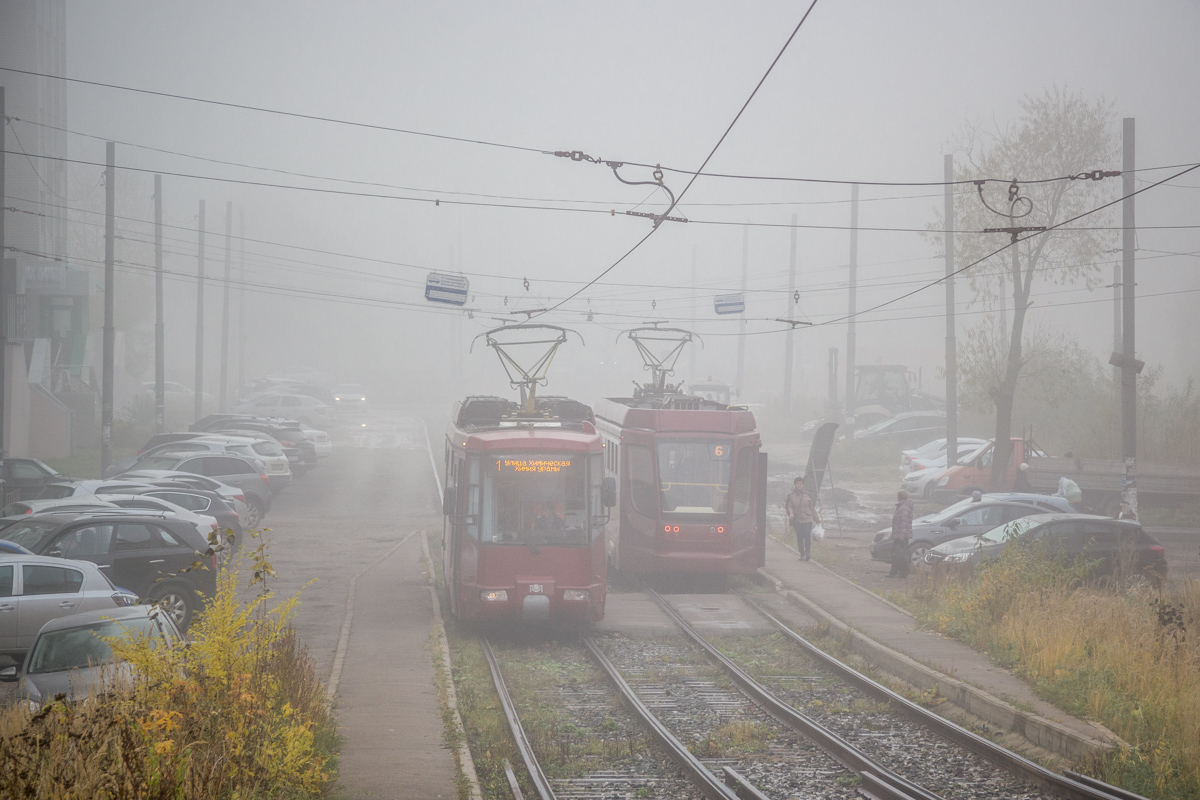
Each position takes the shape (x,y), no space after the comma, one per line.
(1129,659)
(238,713)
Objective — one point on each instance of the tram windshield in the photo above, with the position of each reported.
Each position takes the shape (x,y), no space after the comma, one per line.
(535,500)
(693,475)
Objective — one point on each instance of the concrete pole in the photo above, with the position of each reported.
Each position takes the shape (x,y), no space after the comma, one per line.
(741,357)
(160,398)
(224,397)
(241,379)
(110,334)
(851,342)
(198,389)
(692,347)
(789,344)
(1128,294)
(4,410)
(951,343)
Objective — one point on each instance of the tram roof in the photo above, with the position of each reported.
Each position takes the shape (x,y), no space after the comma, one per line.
(494,423)
(676,413)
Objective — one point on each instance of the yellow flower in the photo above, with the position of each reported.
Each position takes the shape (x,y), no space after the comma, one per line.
(164,747)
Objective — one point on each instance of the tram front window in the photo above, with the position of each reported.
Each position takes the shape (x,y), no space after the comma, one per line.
(535,500)
(693,475)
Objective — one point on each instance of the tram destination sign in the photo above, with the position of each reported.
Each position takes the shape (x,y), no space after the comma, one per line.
(442,287)
(729,303)
(532,464)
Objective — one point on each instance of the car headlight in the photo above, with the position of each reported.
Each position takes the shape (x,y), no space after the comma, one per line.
(942,481)
(879,537)
(34,706)
(493,595)
(576,595)
(957,558)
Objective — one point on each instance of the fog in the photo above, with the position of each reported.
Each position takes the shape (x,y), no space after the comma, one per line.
(868,91)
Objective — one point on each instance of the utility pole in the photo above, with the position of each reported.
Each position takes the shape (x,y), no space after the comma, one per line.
(3,297)
(241,299)
(739,388)
(224,399)
(1130,366)
(789,345)
(198,390)
(951,343)
(692,350)
(110,334)
(160,397)
(853,292)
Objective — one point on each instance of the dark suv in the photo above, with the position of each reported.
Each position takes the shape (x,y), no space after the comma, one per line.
(144,553)
(232,470)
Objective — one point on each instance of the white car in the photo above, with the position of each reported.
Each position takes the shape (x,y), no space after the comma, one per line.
(299,407)
(320,439)
(203,523)
(73,503)
(934,449)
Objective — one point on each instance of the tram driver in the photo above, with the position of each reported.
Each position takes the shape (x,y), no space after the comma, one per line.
(547,519)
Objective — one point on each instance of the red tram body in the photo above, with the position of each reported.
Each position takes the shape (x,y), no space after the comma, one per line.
(692,485)
(525,511)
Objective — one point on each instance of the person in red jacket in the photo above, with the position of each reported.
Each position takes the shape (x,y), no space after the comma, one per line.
(901,535)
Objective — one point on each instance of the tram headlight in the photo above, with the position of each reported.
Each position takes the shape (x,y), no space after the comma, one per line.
(493,595)
(576,595)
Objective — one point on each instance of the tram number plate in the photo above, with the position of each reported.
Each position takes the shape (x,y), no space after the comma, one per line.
(718,451)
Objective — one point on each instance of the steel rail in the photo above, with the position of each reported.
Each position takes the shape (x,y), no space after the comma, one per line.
(742,787)
(540,783)
(1072,785)
(700,774)
(882,783)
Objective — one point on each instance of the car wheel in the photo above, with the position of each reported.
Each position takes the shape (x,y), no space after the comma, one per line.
(178,601)
(917,551)
(254,514)
(927,493)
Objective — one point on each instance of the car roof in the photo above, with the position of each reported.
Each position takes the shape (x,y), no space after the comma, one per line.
(49,561)
(88,617)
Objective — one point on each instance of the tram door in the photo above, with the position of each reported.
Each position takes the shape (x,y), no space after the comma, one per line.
(463,528)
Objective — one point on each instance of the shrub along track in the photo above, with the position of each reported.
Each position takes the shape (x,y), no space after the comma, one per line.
(854,736)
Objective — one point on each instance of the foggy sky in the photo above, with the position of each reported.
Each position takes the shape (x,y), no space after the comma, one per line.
(867,91)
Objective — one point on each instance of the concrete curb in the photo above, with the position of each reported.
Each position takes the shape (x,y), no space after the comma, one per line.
(1045,733)
(465,761)
(849,582)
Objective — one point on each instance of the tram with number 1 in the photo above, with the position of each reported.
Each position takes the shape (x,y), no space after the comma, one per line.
(690,473)
(526,499)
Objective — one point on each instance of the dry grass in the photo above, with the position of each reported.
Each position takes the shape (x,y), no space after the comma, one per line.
(1129,659)
(239,713)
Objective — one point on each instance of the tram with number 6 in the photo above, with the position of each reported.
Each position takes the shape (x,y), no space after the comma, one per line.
(526,501)
(690,472)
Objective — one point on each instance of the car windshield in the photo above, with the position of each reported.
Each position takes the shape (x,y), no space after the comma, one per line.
(693,475)
(29,534)
(269,449)
(1009,530)
(87,645)
(974,454)
(951,511)
(534,499)
(159,462)
(55,491)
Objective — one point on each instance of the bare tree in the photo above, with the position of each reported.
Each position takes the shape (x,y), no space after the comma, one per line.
(1058,133)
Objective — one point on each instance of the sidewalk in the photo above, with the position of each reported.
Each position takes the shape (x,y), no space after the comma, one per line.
(894,629)
(387,702)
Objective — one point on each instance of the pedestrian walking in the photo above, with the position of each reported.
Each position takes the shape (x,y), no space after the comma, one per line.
(901,535)
(1021,482)
(801,516)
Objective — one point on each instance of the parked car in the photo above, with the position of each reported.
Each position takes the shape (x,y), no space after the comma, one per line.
(1103,539)
(964,518)
(924,472)
(165,478)
(294,455)
(350,398)
(204,523)
(322,444)
(202,501)
(9,548)
(905,429)
(298,407)
(73,503)
(36,589)
(24,478)
(71,656)
(213,443)
(232,470)
(135,550)
(936,448)
(62,489)
(286,432)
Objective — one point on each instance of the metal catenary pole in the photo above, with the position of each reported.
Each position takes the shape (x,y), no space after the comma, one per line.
(789,346)
(110,334)
(851,341)
(1129,365)
(198,389)
(951,343)
(224,396)
(241,380)
(160,397)
(3,296)
(695,303)
(740,387)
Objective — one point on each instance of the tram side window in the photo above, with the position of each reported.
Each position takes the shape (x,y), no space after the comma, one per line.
(643,488)
(473,497)
(743,481)
(596,496)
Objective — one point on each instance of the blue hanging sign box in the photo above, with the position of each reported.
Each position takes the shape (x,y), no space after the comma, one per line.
(729,303)
(442,287)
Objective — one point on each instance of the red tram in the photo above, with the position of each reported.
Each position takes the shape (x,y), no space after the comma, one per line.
(692,484)
(525,511)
